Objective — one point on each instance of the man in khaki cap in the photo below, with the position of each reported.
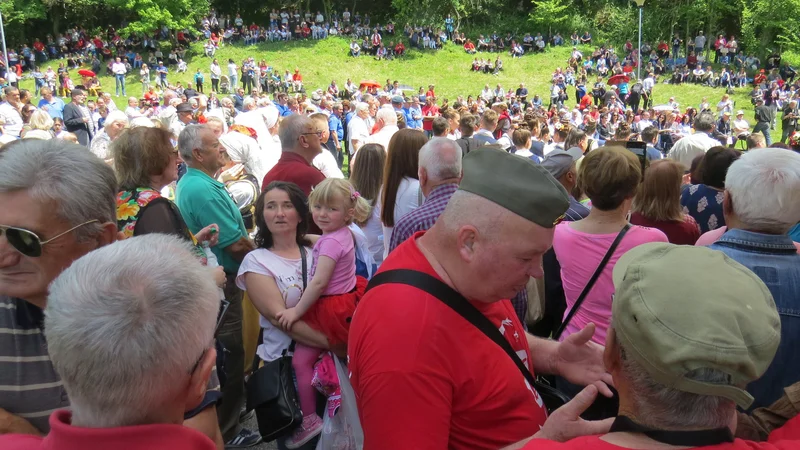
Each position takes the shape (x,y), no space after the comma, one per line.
(691,328)
(424,377)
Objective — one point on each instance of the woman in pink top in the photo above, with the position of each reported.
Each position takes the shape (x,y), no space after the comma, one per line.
(610,177)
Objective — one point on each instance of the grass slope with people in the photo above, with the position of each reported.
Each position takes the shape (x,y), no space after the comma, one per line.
(321,61)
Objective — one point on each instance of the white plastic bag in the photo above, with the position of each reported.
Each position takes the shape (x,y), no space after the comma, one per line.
(342,431)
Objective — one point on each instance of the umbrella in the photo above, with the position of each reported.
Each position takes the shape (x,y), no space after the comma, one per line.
(370,83)
(660,108)
(619,79)
(86,73)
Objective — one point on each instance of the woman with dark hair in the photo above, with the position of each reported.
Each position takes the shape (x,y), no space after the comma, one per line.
(657,204)
(401,192)
(367,178)
(704,201)
(576,138)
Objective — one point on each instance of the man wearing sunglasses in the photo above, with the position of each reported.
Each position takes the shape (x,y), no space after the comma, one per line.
(57,203)
(122,396)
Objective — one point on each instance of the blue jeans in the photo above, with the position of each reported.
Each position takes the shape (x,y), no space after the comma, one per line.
(120,82)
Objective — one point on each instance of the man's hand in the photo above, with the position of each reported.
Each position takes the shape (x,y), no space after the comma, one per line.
(580,361)
(565,423)
(9,423)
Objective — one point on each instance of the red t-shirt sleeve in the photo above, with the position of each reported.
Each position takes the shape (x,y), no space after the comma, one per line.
(790,431)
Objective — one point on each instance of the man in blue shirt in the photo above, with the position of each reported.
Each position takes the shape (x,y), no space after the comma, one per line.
(650,137)
(52,104)
(414,114)
(760,207)
(334,144)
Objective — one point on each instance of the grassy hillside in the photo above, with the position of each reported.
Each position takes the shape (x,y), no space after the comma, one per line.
(448,69)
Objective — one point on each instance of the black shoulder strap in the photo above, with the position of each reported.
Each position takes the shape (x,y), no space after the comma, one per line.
(592,280)
(456,302)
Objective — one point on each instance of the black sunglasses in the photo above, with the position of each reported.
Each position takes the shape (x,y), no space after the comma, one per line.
(29,243)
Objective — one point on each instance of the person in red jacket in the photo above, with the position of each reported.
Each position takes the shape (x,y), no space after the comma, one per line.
(691,328)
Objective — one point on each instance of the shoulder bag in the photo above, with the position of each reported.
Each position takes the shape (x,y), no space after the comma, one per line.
(552,398)
(271,391)
(592,280)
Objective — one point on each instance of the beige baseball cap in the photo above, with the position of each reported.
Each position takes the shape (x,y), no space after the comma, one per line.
(681,308)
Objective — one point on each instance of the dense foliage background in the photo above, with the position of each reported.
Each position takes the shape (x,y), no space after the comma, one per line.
(759,25)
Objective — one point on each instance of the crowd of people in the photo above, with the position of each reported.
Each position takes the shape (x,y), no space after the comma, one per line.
(599,241)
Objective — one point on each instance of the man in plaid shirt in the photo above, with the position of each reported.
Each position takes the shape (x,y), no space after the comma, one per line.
(439,174)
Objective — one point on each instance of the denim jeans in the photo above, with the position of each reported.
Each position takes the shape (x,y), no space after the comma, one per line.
(120,82)
(775,260)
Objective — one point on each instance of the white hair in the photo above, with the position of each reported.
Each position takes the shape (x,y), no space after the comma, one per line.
(362,107)
(764,185)
(54,171)
(387,116)
(142,121)
(248,102)
(441,158)
(190,138)
(125,326)
(116,116)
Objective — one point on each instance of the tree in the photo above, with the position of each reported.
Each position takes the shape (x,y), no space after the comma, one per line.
(550,14)
(144,16)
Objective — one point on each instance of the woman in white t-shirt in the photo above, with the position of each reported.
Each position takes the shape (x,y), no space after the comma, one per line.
(272,274)
(367,178)
(401,192)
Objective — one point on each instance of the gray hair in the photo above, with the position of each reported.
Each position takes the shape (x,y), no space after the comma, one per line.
(248,102)
(41,120)
(441,158)
(146,307)
(764,185)
(663,407)
(190,138)
(387,115)
(116,116)
(291,128)
(705,122)
(82,185)
(361,107)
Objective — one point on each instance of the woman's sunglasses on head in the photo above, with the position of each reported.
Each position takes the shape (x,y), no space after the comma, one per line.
(29,243)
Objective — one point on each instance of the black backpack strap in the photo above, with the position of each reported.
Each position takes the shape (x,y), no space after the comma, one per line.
(592,280)
(456,302)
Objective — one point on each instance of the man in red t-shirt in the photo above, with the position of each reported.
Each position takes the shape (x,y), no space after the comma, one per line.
(429,112)
(691,328)
(425,378)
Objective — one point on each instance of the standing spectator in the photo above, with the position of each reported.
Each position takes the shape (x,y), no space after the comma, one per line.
(689,147)
(760,206)
(385,127)
(52,104)
(144,78)
(216,73)
(401,191)
(115,124)
(300,140)
(199,79)
(789,120)
(119,70)
(366,175)
(763,117)
(699,43)
(77,119)
(334,143)
(10,112)
(357,130)
(203,201)
(657,204)
(704,201)
(34,177)
(439,174)
(233,75)
(459,391)
(610,178)
(142,281)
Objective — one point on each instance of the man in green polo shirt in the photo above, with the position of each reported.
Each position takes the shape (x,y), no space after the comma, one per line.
(202,201)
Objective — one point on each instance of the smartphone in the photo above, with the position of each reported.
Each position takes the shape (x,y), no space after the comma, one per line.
(639,149)
(223,309)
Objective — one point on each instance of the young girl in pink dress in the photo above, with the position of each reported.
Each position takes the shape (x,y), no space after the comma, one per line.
(330,299)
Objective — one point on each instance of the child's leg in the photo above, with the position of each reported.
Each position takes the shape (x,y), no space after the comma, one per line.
(303,363)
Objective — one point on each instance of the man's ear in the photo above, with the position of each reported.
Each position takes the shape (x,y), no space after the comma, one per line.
(465,242)
(198,384)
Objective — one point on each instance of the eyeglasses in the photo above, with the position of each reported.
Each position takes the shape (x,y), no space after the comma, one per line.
(29,243)
(318,133)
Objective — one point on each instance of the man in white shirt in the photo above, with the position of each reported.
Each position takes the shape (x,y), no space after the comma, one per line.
(576,54)
(119,70)
(487,95)
(645,122)
(357,131)
(9,112)
(386,121)
(689,147)
(741,128)
(699,43)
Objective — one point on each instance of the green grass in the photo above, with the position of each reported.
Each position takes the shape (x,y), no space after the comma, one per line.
(448,68)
